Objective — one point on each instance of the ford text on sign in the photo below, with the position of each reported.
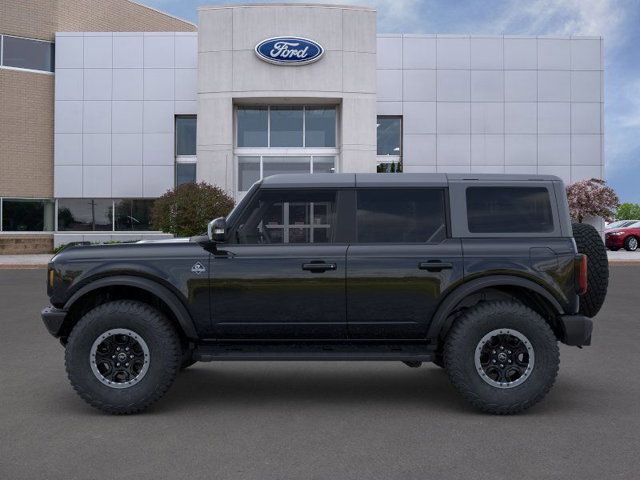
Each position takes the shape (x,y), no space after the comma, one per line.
(289,50)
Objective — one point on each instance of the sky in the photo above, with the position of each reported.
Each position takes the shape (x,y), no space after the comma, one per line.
(617,21)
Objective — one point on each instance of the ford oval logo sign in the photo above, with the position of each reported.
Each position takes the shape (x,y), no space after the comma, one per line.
(289,50)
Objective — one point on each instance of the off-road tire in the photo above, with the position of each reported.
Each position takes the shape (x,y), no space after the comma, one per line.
(164,352)
(464,337)
(627,244)
(590,243)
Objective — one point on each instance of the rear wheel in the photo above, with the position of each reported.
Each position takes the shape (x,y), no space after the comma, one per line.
(590,243)
(502,357)
(631,244)
(122,356)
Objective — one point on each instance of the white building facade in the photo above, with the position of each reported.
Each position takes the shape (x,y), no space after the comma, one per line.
(128,105)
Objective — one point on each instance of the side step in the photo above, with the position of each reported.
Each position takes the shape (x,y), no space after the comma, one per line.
(403,352)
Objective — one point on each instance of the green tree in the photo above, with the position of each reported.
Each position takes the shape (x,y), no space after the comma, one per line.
(628,211)
(186,210)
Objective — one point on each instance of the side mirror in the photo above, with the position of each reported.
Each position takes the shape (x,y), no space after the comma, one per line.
(217,230)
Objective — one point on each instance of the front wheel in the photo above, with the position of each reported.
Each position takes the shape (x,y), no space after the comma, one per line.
(502,357)
(122,356)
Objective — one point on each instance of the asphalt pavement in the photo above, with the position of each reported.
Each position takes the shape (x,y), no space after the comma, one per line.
(319,420)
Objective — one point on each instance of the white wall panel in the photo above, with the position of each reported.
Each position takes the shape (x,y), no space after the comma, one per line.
(419,150)
(554,117)
(554,86)
(453,52)
(68,149)
(521,117)
(96,149)
(454,117)
(487,117)
(586,54)
(98,52)
(454,149)
(96,117)
(554,150)
(418,52)
(97,84)
(521,150)
(520,53)
(487,53)
(454,85)
(126,181)
(487,86)
(554,54)
(585,86)
(158,51)
(487,150)
(69,84)
(419,117)
(586,149)
(96,181)
(585,117)
(389,52)
(520,86)
(419,85)
(126,149)
(128,84)
(127,52)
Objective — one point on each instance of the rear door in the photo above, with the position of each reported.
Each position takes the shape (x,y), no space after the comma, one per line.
(401,261)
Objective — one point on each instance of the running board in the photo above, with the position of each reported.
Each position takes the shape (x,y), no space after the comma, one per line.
(403,352)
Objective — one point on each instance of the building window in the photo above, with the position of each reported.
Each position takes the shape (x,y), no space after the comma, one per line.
(27,215)
(186,160)
(85,214)
(133,215)
(284,139)
(286,127)
(389,139)
(27,54)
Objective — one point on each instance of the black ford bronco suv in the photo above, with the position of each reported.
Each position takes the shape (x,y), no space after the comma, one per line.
(481,274)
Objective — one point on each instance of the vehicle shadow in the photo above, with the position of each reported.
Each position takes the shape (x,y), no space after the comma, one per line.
(262,383)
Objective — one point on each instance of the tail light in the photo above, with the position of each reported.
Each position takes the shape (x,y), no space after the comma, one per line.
(581,274)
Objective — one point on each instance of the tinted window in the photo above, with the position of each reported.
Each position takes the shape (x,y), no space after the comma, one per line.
(509,210)
(252,126)
(133,214)
(389,132)
(85,214)
(25,53)
(186,135)
(286,127)
(401,215)
(185,173)
(320,127)
(21,215)
(277,217)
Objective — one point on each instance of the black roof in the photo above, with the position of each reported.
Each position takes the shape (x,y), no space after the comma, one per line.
(337,180)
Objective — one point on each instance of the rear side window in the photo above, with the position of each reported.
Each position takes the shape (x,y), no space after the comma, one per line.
(401,215)
(509,210)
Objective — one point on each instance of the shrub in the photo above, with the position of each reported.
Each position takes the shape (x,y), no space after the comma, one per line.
(186,210)
(628,211)
(592,198)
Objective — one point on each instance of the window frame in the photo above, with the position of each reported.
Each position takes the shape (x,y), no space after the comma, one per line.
(458,201)
(21,69)
(445,205)
(387,158)
(183,159)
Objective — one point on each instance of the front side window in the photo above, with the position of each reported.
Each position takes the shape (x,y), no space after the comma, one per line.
(28,54)
(509,210)
(279,217)
(133,215)
(388,215)
(85,214)
(27,215)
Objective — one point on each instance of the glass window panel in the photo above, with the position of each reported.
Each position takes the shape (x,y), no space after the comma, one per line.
(400,215)
(276,165)
(286,127)
(320,127)
(22,215)
(85,214)
(248,172)
(25,53)
(186,127)
(252,126)
(389,133)
(509,210)
(133,215)
(324,164)
(185,173)
(266,221)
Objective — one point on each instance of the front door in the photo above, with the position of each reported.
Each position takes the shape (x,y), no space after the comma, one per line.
(401,262)
(282,274)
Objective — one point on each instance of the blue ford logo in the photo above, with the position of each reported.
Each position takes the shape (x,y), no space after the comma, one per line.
(289,50)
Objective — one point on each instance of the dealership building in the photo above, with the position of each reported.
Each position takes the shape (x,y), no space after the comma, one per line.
(107,105)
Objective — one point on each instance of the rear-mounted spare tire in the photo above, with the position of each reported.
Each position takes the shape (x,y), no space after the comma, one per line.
(590,243)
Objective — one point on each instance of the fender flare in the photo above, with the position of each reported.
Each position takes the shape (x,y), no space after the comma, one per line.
(439,321)
(163,293)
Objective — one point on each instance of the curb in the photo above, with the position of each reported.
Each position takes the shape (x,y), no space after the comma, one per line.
(19,266)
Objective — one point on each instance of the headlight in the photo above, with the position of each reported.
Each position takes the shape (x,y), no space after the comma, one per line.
(616,233)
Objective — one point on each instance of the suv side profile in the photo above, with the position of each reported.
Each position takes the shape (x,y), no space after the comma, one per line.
(482,275)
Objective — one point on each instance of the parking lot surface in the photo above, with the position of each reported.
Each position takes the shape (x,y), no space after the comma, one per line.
(334,420)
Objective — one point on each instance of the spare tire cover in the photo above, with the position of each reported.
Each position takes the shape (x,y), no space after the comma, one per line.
(590,243)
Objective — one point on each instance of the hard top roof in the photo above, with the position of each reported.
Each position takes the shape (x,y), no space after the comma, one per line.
(345,180)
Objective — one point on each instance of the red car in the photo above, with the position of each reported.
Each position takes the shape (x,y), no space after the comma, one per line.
(627,237)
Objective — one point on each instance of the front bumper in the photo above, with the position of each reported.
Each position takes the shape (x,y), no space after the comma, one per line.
(576,330)
(614,241)
(53,319)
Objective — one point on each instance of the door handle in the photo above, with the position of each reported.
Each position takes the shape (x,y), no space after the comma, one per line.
(318,267)
(435,266)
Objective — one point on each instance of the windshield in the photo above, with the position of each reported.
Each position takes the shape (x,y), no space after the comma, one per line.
(622,223)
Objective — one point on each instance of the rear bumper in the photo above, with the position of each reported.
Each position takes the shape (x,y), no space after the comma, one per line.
(576,330)
(53,319)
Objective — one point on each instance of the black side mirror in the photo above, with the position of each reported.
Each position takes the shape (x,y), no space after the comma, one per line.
(217,230)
